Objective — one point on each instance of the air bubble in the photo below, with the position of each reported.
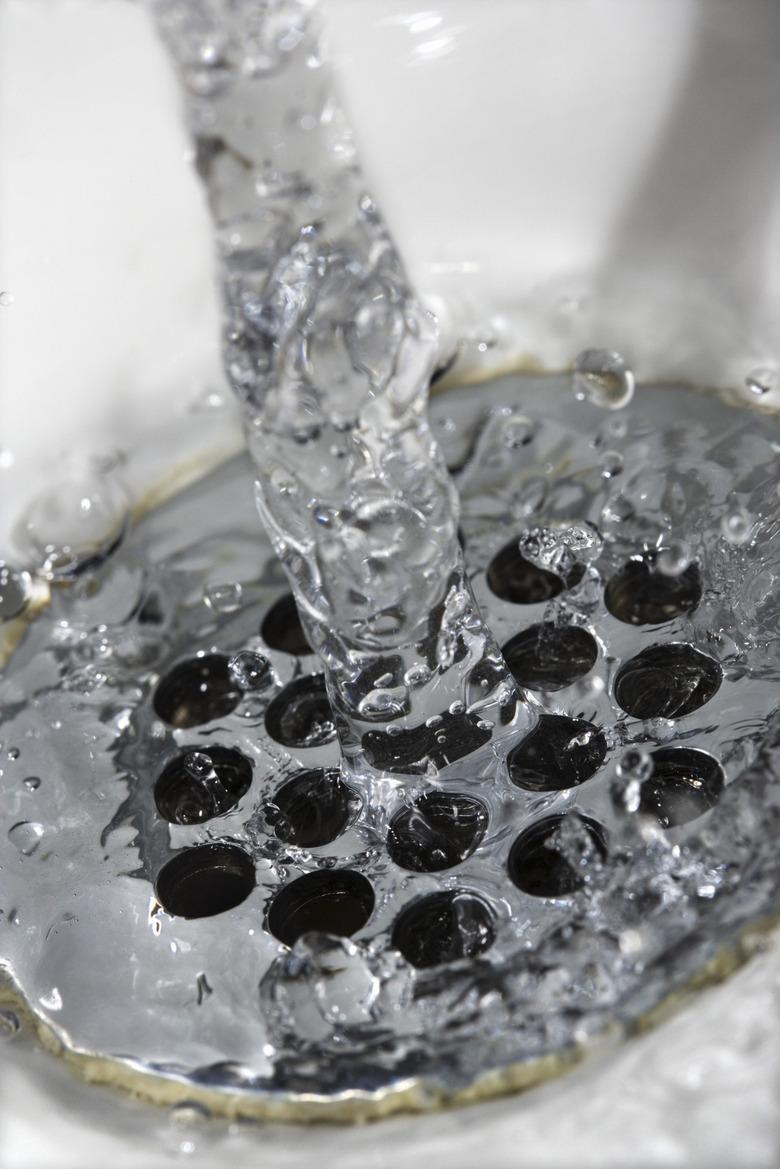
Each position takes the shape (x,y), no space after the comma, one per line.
(6,299)
(603,378)
(32,783)
(251,671)
(737,525)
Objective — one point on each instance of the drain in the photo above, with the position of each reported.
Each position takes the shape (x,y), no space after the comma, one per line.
(218,844)
(205,881)
(439,830)
(514,578)
(313,808)
(538,865)
(300,716)
(444,927)
(197,691)
(559,753)
(202,782)
(281,628)
(334,901)
(550,656)
(667,681)
(642,594)
(685,784)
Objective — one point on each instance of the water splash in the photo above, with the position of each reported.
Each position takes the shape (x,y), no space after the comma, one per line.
(332,354)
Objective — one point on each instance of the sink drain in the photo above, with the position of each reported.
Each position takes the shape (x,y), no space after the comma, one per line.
(195,901)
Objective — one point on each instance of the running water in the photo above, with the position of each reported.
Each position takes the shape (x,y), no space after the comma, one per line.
(332,355)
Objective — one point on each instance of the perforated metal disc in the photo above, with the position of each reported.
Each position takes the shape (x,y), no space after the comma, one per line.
(158,925)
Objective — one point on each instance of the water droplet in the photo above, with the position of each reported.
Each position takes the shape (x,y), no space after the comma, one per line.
(75,525)
(673,558)
(199,765)
(188,1113)
(184,1120)
(26,836)
(32,783)
(224,598)
(736,525)
(617,510)
(611,464)
(417,674)
(635,763)
(13,753)
(763,381)
(6,299)
(9,1024)
(602,377)
(517,431)
(251,671)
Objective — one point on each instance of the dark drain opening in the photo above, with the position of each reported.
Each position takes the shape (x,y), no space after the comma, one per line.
(444,927)
(667,681)
(189,791)
(444,739)
(205,881)
(312,808)
(196,691)
(640,594)
(549,656)
(537,866)
(558,753)
(333,901)
(685,784)
(514,578)
(281,628)
(300,715)
(440,830)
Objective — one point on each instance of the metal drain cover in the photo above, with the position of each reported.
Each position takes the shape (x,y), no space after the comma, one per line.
(196,904)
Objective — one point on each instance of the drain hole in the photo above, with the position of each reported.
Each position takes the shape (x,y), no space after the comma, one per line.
(300,716)
(549,656)
(204,881)
(641,595)
(559,753)
(443,927)
(537,866)
(312,808)
(410,750)
(439,831)
(685,784)
(281,628)
(666,681)
(334,901)
(196,691)
(202,782)
(513,578)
